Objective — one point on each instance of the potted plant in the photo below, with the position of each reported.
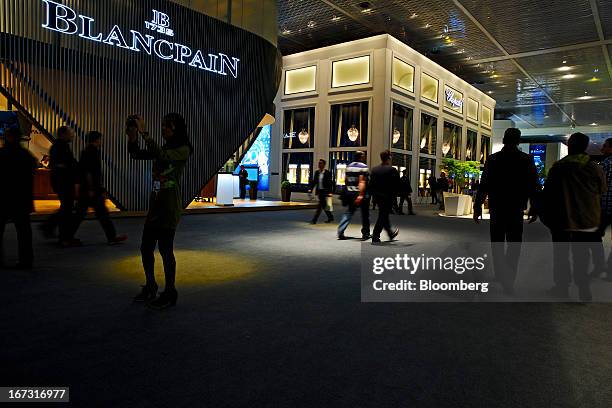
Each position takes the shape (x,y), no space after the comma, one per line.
(286,191)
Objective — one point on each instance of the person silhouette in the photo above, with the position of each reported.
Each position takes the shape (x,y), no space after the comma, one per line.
(17,168)
(165,206)
(510,181)
(572,211)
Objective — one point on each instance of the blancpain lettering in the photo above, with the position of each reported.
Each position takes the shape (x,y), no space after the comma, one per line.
(65,20)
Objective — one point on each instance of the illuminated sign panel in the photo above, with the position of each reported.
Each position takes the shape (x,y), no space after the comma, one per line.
(65,20)
(454,99)
(259,155)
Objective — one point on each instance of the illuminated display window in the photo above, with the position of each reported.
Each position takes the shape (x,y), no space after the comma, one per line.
(403,75)
(354,71)
(349,125)
(338,161)
(401,130)
(486,116)
(453,99)
(301,80)
(451,141)
(485,148)
(429,134)
(429,88)
(470,149)
(402,162)
(298,128)
(472,109)
(297,169)
(427,169)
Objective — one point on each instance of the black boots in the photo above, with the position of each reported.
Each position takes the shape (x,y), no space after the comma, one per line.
(148,293)
(166,299)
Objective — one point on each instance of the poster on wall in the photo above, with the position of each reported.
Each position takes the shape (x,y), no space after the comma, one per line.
(259,154)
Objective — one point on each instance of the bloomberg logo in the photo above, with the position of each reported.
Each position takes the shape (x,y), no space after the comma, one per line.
(65,20)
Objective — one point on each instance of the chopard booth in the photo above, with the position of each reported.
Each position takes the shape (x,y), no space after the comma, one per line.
(371,95)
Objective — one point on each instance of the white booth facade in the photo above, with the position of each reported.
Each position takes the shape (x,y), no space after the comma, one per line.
(371,95)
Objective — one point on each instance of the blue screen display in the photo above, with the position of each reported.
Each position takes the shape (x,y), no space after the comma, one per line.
(259,155)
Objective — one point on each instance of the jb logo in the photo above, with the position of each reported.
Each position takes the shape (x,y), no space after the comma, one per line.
(160,23)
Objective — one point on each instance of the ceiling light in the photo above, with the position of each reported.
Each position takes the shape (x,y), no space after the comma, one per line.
(585,97)
(335,18)
(494,76)
(565,61)
(427,25)
(285,32)
(569,76)
(564,68)
(311,24)
(366,10)
(593,124)
(490,92)
(414,15)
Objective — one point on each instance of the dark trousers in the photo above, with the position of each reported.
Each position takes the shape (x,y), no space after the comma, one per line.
(408,199)
(97,203)
(506,229)
(348,215)
(322,196)
(164,239)
(434,197)
(24,235)
(242,191)
(579,245)
(385,206)
(64,218)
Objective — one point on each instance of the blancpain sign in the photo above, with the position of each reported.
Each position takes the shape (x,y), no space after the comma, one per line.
(65,20)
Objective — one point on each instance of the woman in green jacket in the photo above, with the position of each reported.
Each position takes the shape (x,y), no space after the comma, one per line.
(165,205)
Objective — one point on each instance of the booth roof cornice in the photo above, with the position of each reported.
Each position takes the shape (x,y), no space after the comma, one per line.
(386,41)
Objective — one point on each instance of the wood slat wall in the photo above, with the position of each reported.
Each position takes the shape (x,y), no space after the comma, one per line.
(63,79)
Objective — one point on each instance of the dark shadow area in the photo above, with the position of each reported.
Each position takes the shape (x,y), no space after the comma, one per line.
(289,331)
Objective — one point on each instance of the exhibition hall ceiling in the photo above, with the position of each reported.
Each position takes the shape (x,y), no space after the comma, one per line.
(546,63)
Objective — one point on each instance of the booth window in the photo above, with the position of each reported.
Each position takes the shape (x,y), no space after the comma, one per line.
(451,141)
(298,128)
(485,148)
(453,99)
(402,162)
(472,109)
(427,168)
(297,169)
(470,150)
(486,116)
(338,161)
(428,137)
(349,125)
(429,88)
(300,80)
(403,75)
(353,71)
(401,131)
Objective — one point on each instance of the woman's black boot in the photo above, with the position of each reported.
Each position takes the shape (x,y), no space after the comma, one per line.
(166,299)
(148,293)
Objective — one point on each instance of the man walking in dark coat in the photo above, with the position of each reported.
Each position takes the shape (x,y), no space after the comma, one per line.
(17,168)
(384,185)
(91,192)
(510,180)
(64,176)
(324,185)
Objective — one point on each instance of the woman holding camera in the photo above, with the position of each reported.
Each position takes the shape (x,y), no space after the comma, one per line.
(165,205)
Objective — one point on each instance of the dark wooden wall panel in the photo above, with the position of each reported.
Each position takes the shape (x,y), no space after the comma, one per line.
(63,79)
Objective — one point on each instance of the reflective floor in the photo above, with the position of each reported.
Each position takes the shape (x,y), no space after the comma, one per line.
(269,314)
